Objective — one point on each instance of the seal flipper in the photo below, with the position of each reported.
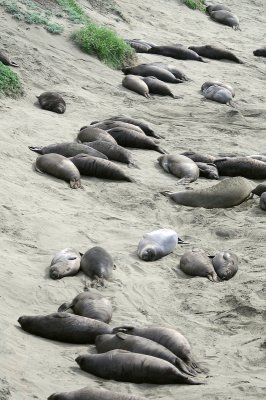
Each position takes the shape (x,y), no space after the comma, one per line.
(121,335)
(36,149)
(13,64)
(123,329)
(181,241)
(65,307)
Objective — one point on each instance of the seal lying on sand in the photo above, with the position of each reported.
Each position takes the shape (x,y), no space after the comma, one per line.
(52,101)
(259,189)
(152,70)
(260,52)
(225,264)
(66,262)
(228,193)
(207,84)
(208,170)
(6,60)
(113,151)
(171,68)
(241,166)
(68,150)
(60,167)
(216,7)
(64,327)
(180,166)
(196,262)
(97,264)
(263,201)
(91,305)
(138,122)
(90,134)
(109,124)
(226,18)
(178,52)
(219,94)
(215,53)
(124,366)
(158,87)
(134,83)
(89,393)
(198,157)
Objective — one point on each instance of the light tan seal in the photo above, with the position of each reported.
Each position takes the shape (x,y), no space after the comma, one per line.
(180,166)
(196,262)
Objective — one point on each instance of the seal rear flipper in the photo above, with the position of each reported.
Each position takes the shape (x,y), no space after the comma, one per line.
(123,328)
(160,150)
(13,64)
(202,60)
(36,149)
(97,281)
(167,193)
(121,335)
(182,366)
(38,170)
(65,307)
(181,241)
(75,183)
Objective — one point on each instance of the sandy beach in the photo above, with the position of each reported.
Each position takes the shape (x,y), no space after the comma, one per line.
(225,322)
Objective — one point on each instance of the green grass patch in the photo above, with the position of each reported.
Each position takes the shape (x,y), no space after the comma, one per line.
(196,4)
(73,10)
(10,84)
(105,44)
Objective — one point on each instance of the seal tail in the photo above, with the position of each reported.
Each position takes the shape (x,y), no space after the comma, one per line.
(180,241)
(182,366)
(202,60)
(166,193)
(13,64)
(160,150)
(65,307)
(36,149)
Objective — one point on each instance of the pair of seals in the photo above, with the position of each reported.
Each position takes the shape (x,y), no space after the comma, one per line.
(145,127)
(219,94)
(88,393)
(60,167)
(66,262)
(198,157)
(148,70)
(112,151)
(6,60)
(223,15)
(180,166)
(241,166)
(178,52)
(208,170)
(98,264)
(52,101)
(228,193)
(91,134)
(207,84)
(147,85)
(68,149)
(215,53)
(171,68)
(260,52)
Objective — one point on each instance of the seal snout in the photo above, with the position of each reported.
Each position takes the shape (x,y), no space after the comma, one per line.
(79,360)
(54,274)
(20,320)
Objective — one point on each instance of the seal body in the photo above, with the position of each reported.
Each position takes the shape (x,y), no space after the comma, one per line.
(112,151)
(121,365)
(263,201)
(134,83)
(68,150)
(225,264)
(197,263)
(52,101)
(216,7)
(66,262)
(172,68)
(218,93)
(207,84)
(260,52)
(259,157)
(215,53)
(64,327)
(157,244)
(146,128)
(6,60)
(91,305)
(109,124)
(208,170)
(198,157)
(228,193)
(226,18)
(158,87)
(60,167)
(90,134)
(177,52)
(138,45)
(88,393)
(97,263)
(180,166)
(152,70)
(241,166)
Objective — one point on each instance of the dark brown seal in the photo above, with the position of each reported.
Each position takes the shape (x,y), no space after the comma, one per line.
(259,189)
(216,7)
(109,124)
(97,264)
(113,151)
(138,122)
(225,264)
(90,134)
(88,393)
(260,52)
(215,53)
(196,262)
(158,87)
(208,170)
(52,101)
(152,70)
(68,149)
(177,52)
(138,45)
(241,166)
(226,18)
(64,327)
(60,167)
(6,60)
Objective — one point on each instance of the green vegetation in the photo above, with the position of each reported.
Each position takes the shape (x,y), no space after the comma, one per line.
(73,10)
(107,6)
(196,4)
(9,82)
(104,43)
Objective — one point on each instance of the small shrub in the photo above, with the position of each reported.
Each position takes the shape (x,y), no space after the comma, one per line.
(9,82)
(34,18)
(104,43)
(54,28)
(74,11)
(196,4)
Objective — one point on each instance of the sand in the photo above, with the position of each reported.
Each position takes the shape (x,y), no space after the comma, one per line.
(39,215)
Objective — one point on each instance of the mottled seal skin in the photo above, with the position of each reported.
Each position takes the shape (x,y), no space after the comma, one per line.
(167,337)
(64,327)
(228,193)
(128,138)
(109,124)
(196,262)
(157,244)
(89,393)
(105,169)
(225,264)
(52,101)
(180,166)
(226,18)
(97,264)
(215,53)
(124,366)
(177,52)
(158,87)
(134,83)
(207,84)
(113,151)
(259,189)
(68,150)
(198,157)
(90,134)
(152,70)
(208,170)
(260,52)
(91,305)
(172,68)
(241,166)
(140,345)
(6,60)
(138,122)
(66,262)
(60,167)
(263,201)
(218,94)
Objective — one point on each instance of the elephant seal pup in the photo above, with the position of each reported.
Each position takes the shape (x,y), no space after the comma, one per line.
(180,166)
(207,84)
(128,138)
(140,345)
(124,366)
(91,305)
(197,263)
(68,150)
(52,101)
(152,70)
(219,94)
(60,167)
(157,244)
(6,60)
(64,327)
(228,193)
(90,134)
(259,189)
(171,68)
(198,157)
(225,264)
(97,264)
(208,170)
(226,18)
(134,83)
(109,124)
(66,262)
(241,166)
(138,122)
(215,53)
(113,151)
(158,87)
(260,52)
(263,201)
(178,52)
(87,393)
(92,166)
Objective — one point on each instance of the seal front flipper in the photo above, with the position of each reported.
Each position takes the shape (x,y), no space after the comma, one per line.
(36,149)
